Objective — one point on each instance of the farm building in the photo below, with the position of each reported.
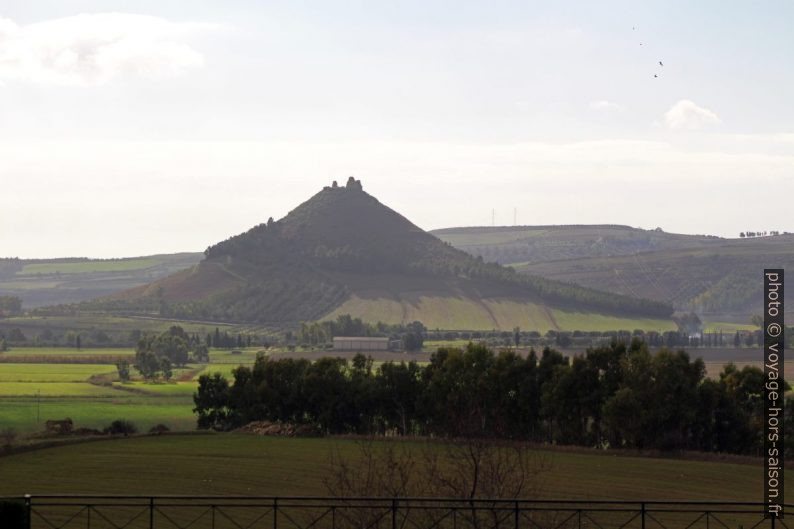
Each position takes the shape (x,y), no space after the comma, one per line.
(357,343)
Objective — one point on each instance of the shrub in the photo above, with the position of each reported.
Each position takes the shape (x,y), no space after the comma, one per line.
(159,429)
(121,426)
(123,368)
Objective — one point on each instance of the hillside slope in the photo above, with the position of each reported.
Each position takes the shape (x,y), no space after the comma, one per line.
(40,282)
(719,278)
(534,244)
(342,251)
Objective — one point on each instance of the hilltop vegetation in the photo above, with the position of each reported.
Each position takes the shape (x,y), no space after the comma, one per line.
(341,245)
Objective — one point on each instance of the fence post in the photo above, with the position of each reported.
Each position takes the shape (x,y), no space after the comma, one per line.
(151,512)
(275,513)
(642,511)
(88,517)
(394,513)
(213,516)
(515,515)
(29,509)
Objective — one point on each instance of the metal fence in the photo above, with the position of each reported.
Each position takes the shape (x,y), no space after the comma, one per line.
(223,512)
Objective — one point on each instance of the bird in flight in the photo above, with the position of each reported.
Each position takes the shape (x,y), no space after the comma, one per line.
(655,75)
(661,63)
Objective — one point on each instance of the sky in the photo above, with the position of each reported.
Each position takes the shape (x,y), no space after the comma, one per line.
(133,128)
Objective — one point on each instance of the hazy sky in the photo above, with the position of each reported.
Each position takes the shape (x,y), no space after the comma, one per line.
(131,128)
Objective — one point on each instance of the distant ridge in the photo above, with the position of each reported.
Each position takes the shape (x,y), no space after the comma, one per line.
(342,250)
(717,277)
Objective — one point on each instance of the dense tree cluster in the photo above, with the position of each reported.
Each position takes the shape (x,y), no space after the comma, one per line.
(156,355)
(617,395)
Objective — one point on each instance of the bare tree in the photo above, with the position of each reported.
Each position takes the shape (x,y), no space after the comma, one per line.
(473,470)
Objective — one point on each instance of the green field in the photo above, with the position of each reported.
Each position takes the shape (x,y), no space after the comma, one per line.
(68,351)
(45,373)
(240,464)
(727,327)
(81,267)
(27,415)
(92,396)
(54,389)
(33,393)
(444,312)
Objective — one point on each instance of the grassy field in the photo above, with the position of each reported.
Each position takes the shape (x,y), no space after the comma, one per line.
(92,396)
(240,464)
(82,267)
(33,393)
(68,351)
(46,373)
(462,312)
(727,327)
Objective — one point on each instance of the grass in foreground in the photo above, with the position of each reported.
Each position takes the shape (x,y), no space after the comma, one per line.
(243,464)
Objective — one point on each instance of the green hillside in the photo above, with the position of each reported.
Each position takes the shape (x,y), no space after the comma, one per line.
(344,250)
(40,282)
(721,281)
(533,244)
(718,278)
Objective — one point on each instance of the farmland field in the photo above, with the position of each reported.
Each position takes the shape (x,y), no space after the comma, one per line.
(88,322)
(33,393)
(91,395)
(69,352)
(78,267)
(45,373)
(487,314)
(56,281)
(244,464)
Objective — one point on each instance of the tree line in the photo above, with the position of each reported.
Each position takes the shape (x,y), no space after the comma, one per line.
(619,395)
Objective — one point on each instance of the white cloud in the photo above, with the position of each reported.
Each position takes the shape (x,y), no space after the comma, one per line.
(92,49)
(604,106)
(687,115)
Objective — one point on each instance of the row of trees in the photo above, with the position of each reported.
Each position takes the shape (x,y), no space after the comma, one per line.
(617,395)
(759,233)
